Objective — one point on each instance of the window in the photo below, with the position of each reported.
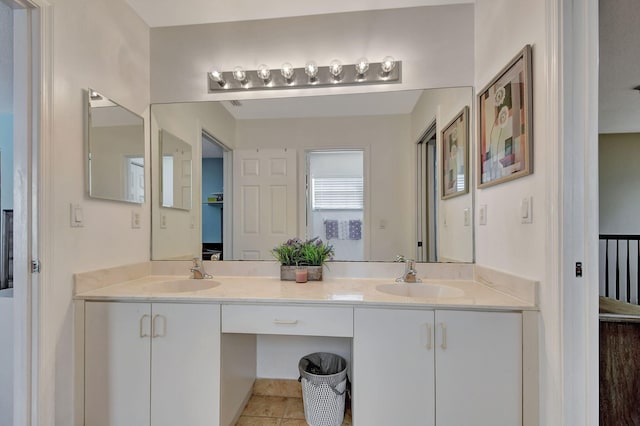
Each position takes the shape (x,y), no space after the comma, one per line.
(337,193)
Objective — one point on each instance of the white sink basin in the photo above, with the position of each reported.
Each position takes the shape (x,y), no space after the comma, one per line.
(431,291)
(182,286)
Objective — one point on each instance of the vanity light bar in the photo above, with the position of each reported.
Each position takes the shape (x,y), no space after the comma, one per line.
(311,75)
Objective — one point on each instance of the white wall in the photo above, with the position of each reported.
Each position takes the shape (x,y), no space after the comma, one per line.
(434,43)
(503,27)
(104,45)
(186,121)
(619,58)
(619,187)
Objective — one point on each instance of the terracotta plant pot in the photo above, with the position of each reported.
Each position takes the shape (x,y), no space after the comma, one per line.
(288,273)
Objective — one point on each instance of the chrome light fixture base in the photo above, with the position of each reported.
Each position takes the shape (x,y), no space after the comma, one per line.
(300,80)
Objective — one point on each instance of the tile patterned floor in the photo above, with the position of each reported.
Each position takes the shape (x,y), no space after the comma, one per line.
(277,403)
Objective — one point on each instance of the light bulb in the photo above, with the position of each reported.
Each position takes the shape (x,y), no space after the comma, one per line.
(264,73)
(362,66)
(335,68)
(388,64)
(311,69)
(239,74)
(216,76)
(287,71)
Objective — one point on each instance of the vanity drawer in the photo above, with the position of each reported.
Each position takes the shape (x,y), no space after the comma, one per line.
(289,320)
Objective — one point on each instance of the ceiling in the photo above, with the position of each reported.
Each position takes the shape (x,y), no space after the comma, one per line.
(165,13)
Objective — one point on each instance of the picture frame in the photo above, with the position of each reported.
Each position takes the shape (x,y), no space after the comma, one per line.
(454,173)
(505,123)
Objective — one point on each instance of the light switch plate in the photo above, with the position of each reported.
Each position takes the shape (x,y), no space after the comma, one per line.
(76,216)
(467,217)
(526,210)
(163,221)
(483,214)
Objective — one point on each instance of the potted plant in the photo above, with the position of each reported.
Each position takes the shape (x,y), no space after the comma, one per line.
(295,252)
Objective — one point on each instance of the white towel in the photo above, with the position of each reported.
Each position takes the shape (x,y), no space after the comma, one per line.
(343,229)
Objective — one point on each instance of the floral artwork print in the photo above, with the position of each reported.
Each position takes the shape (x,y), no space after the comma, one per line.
(505,124)
(455,156)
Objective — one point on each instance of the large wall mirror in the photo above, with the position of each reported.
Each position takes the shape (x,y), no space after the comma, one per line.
(361,171)
(116,150)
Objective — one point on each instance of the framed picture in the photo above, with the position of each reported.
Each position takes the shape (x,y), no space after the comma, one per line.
(455,156)
(505,124)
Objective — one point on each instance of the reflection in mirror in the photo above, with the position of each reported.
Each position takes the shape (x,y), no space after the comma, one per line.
(268,183)
(116,150)
(176,171)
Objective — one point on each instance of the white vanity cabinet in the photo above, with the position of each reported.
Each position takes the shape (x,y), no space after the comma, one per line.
(443,368)
(152,364)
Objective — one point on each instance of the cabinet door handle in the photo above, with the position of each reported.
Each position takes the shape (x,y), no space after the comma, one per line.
(154,327)
(285,321)
(443,344)
(429,336)
(143,333)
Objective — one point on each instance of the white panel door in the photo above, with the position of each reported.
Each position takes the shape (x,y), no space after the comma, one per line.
(265,212)
(117,364)
(478,368)
(393,368)
(185,365)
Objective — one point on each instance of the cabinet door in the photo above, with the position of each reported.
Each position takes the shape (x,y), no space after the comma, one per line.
(117,354)
(185,365)
(478,368)
(393,362)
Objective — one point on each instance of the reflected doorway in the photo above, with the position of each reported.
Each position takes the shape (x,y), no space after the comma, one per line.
(214,163)
(335,201)
(427,195)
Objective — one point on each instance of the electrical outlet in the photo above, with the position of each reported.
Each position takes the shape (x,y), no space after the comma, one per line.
(483,214)
(135,219)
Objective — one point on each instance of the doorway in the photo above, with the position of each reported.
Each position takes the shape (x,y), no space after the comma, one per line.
(214,181)
(29,86)
(335,201)
(427,196)
(6,203)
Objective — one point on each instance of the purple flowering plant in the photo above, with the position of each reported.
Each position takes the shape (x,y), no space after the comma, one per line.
(313,252)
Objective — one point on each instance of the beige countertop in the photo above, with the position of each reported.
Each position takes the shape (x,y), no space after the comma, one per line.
(332,291)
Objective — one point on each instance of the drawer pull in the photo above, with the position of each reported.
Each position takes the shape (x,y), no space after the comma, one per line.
(429,337)
(284,321)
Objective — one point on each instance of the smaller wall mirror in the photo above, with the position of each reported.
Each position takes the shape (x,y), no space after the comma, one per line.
(116,150)
(176,171)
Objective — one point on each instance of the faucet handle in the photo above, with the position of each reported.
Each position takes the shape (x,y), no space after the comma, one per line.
(400,258)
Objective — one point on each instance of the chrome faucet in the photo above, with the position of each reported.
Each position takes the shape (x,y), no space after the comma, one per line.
(198,270)
(409,275)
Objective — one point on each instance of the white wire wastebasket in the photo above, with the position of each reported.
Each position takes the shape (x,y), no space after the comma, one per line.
(324,385)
